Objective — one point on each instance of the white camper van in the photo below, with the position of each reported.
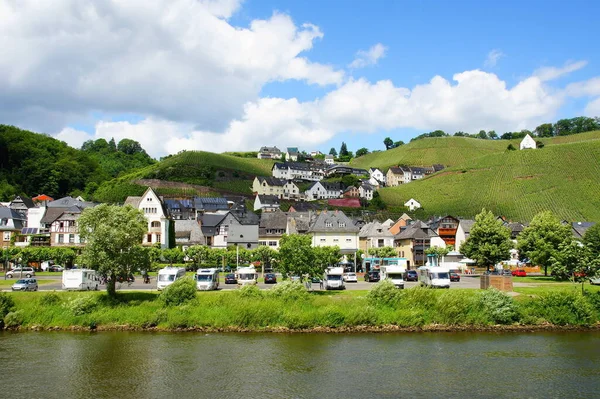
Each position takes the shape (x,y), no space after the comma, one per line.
(394,273)
(434,276)
(333,279)
(246,276)
(80,279)
(168,275)
(207,279)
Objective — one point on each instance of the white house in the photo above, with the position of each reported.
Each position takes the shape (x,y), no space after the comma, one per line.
(292,154)
(329,159)
(320,190)
(331,228)
(527,142)
(462,232)
(158,220)
(375,235)
(267,203)
(412,204)
(269,153)
(377,174)
(366,191)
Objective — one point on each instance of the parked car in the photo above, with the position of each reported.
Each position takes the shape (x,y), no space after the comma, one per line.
(25,284)
(372,276)
(270,278)
(18,271)
(350,277)
(296,278)
(315,280)
(519,273)
(454,277)
(411,275)
(56,268)
(230,279)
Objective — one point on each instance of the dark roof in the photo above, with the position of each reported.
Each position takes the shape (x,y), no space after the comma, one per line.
(67,202)
(333,221)
(437,167)
(579,228)
(417,229)
(417,170)
(17,218)
(210,204)
(273,220)
(292,150)
(271,181)
(28,202)
(244,217)
(396,170)
(303,207)
(270,149)
(299,222)
(466,224)
(189,232)
(269,200)
(52,214)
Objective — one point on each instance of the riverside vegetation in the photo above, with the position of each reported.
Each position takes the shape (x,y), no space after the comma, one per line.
(290,307)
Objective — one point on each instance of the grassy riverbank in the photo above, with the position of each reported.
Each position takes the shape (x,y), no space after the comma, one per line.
(292,308)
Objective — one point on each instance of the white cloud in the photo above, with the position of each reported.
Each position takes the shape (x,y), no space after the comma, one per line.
(369,57)
(493,57)
(551,73)
(593,108)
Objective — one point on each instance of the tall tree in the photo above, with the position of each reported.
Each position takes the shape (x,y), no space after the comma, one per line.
(324,258)
(544,130)
(591,239)
(574,261)
(389,143)
(129,147)
(343,150)
(482,134)
(488,242)
(333,152)
(493,135)
(296,256)
(265,255)
(542,238)
(113,236)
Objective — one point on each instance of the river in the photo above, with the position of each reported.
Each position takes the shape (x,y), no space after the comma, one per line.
(193,365)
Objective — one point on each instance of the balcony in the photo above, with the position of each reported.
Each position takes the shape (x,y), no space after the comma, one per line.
(446,232)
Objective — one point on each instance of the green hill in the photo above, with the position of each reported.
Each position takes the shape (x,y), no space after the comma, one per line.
(562,178)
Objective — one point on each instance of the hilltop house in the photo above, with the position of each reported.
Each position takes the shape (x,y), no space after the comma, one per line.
(280,188)
(527,143)
(378,175)
(334,228)
(297,171)
(329,159)
(412,204)
(291,154)
(366,191)
(351,192)
(269,153)
(156,213)
(396,176)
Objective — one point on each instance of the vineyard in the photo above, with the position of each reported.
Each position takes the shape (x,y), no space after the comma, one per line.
(562,178)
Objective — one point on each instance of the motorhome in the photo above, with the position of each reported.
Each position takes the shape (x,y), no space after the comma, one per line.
(434,276)
(168,275)
(394,273)
(246,276)
(207,279)
(80,279)
(333,279)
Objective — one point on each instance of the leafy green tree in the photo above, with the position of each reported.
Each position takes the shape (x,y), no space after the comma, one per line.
(265,255)
(296,256)
(377,202)
(591,239)
(493,135)
(542,238)
(343,150)
(544,130)
(398,143)
(361,151)
(489,241)
(173,255)
(112,147)
(333,152)
(389,143)
(383,252)
(198,254)
(574,261)
(324,257)
(482,134)
(438,252)
(129,147)
(113,236)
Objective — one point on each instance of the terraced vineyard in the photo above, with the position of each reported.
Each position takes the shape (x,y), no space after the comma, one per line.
(563,178)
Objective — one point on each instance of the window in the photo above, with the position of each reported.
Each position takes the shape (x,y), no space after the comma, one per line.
(342,224)
(328,224)
(81,240)
(148,199)
(7,236)
(336,240)
(348,239)
(322,240)
(272,243)
(61,238)
(262,243)
(149,238)
(155,224)
(158,238)
(71,238)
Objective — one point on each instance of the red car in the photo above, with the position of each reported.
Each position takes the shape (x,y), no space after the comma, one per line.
(454,277)
(519,273)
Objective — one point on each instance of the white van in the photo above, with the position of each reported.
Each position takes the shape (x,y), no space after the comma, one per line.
(394,273)
(207,279)
(246,276)
(168,275)
(434,276)
(333,279)
(80,279)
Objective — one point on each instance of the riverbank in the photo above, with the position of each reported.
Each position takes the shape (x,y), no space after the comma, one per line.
(289,307)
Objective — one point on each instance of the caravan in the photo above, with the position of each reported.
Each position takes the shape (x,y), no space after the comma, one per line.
(434,276)
(207,279)
(394,273)
(168,275)
(333,279)
(246,276)
(80,279)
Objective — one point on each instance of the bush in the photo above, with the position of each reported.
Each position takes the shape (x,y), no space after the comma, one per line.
(180,292)
(48,299)
(14,319)
(421,297)
(82,305)
(454,308)
(565,308)
(289,291)
(250,291)
(498,306)
(384,293)
(7,304)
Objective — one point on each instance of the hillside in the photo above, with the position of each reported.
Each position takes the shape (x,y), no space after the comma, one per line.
(563,178)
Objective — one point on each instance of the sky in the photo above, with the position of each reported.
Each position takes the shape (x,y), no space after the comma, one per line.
(236,75)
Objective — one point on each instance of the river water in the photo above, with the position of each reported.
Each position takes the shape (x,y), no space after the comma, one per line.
(193,365)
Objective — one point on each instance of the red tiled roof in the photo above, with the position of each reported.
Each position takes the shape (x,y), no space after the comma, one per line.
(42,197)
(346,202)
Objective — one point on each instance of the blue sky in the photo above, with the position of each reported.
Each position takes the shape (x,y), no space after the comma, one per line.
(228,75)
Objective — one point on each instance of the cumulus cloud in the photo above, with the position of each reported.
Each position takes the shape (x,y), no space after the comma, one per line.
(551,73)
(368,57)
(493,57)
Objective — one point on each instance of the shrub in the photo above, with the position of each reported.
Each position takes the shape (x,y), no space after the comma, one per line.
(7,304)
(180,292)
(13,319)
(454,307)
(82,305)
(48,299)
(384,293)
(420,297)
(564,307)
(250,291)
(289,291)
(498,306)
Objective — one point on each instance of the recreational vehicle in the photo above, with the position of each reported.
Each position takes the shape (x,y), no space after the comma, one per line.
(333,279)
(207,279)
(394,273)
(434,276)
(168,276)
(246,276)
(80,279)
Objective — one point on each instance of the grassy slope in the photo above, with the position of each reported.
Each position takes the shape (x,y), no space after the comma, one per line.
(562,178)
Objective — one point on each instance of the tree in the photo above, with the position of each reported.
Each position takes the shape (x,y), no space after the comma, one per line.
(541,239)
(361,151)
(383,252)
(482,134)
(544,130)
(574,261)
(112,147)
(296,256)
(198,254)
(389,143)
(377,202)
(398,143)
(113,236)
(266,255)
(129,147)
(173,255)
(493,135)
(333,152)
(591,239)
(343,150)
(510,147)
(489,241)
(324,258)
(438,252)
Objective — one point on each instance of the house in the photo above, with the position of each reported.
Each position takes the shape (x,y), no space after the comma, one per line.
(462,232)
(334,228)
(268,186)
(402,221)
(157,216)
(366,191)
(329,160)
(303,207)
(214,235)
(12,223)
(375,235)
(297,171)
(292,154)
(188,233)
(351,192)
(344,202)
(527,143)
(21,204)
(515,229)
(579,229)
(266,203)
(375,173)
(269,153)
(180,209)
(209,204)
(64,230)
(291,191)
(374,183)
(243,228)
(341,170)
(271,227)
(394,176)
(412,204)
(298,222)
(322,190)
(414,240)
(417,173)
(446,228)
(315,153)
(58,225)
